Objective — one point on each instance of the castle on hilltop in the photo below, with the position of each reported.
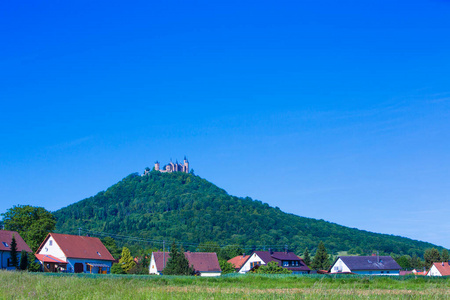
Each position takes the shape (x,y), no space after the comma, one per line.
(171,167)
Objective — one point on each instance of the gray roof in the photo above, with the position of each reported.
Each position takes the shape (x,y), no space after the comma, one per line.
(370,263)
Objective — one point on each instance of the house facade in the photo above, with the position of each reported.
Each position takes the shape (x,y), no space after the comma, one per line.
(5,248)
(204,263)
(74,254)
(439,269)
(366,265)
(287,260)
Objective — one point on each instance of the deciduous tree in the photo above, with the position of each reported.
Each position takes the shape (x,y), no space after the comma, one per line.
(445,256)
(32,223)
(431,255)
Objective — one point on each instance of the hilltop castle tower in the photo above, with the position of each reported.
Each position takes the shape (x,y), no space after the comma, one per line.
(173,167)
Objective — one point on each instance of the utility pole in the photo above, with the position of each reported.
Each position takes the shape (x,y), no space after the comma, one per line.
(164,255)
(79,231)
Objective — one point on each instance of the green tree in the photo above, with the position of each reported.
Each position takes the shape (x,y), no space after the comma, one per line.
(404,261)
(177,264)
(416,263)
(13,253)
(32,223)
(209,247)
(226,267)
(229,252)
(111,245)
(430,256)
(445,256)
(272,268)
(23,260)
(33,265)
(117,269)
(126,261)
(141,266)
(306,257)
(321,260)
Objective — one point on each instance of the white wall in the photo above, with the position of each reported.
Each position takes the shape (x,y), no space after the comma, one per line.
(434,271)
(152,267)
(339,266)
(246,267)
(52,249)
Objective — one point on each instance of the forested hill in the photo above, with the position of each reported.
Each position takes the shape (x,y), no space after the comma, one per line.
(186,208)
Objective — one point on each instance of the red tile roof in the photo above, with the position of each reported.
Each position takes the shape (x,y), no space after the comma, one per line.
(201,261)
(238,261)
(76,246)
(443,268)
(49,259)
(6,238)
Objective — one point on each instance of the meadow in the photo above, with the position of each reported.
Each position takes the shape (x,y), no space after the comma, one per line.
(24,285)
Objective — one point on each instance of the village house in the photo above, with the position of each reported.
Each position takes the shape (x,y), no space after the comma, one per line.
(5,248)
(204,263)
(238,261)
(439,269)
(287,260)
(366,265)
(74,254)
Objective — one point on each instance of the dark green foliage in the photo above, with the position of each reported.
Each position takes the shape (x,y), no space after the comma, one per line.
(430,256)
(416,262)
(209,247)
(111,245)
(186,208)
(272,268)
(445,256)
(13,253)
(226,267)
(32,223)
(229,251)
(306,257)
(117,269)
(177,264)
(141,266)
(23,260)
(404,261)
(321,260)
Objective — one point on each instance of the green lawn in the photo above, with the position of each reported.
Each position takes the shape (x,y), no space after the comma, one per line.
(20,285)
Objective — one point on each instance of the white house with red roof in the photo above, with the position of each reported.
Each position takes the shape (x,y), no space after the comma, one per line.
(5,248)
(439,269)
(287,260)
(204,263)
(74,254)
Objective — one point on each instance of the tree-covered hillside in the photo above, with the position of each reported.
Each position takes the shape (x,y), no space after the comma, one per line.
(186,208)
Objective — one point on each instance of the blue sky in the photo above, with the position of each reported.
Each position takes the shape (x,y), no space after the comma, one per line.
(335,111)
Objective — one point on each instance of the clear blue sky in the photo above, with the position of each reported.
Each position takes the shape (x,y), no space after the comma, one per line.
(331,110)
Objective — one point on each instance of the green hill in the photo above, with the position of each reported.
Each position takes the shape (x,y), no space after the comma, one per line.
(188,209)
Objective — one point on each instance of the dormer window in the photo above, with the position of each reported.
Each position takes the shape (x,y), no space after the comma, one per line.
(5,244)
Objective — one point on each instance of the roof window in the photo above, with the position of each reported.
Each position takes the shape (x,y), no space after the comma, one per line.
(5,244)
(99,254)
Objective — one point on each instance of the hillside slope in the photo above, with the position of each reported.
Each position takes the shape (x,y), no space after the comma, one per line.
(189,209)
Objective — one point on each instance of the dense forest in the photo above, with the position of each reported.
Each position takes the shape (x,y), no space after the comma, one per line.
(190,210)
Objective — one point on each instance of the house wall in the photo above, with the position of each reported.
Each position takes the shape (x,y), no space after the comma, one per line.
(434,271)
(51,248)
(72,261)
(210,274)
(247,266)
(378,272)
(4,256)
(339,266)
(152,267)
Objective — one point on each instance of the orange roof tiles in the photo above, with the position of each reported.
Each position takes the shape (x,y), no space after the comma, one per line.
(443,268)
(238,261)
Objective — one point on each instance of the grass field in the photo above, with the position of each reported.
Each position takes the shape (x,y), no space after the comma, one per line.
(20,285)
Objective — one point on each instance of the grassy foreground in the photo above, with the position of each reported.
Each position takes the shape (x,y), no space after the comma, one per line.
(22,285)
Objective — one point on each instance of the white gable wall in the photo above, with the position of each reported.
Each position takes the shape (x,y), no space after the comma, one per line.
(152,267)
(339,266)
(51,248)
(434,271)
(247,266)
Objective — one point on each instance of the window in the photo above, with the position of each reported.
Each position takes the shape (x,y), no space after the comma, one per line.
(9,262)
(5,244)
(50,242)
(99,254)
(285,263)
(254,264)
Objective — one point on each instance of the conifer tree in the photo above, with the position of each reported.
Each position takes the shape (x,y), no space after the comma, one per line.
(306,257)
(126,261)
(177,264)
(321,261)
(13,253)
(445,255)
(23,260)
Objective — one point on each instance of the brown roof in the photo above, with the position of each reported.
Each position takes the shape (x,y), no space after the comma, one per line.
(6,238)
(443,268)
(201,261)
(76,246)
(238,261)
